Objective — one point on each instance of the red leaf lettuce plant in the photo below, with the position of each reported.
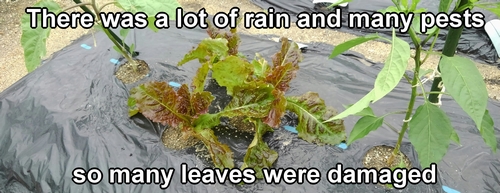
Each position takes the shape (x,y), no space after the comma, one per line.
(258,94)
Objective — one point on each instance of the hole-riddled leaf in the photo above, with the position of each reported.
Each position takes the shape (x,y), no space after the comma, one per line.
(312,113)
(488,131)
(259,155)
(430,133)
(364,126)
(206,50)
(231,71)
(465,84)
(33,40)
(221,155)
(249,101)
(394,68)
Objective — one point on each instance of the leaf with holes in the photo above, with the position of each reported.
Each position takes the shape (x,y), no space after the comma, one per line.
(312,112)
(232,71)
(208,49)
(259,155)
(430,133)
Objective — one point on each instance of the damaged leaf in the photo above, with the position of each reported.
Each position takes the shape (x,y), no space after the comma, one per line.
(312,113)
(281,76)
(231,71)
(289,53)
(221,155)
(277,110)
(233,38)
(249,101)
(260,66)
(259,155)
(160,103)
(207,49)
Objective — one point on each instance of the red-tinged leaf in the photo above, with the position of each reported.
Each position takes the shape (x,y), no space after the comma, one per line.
(277,111)
(289,53)
(259,155)
(160,103)
(312,113)
(249,101)
(281,76)
(200,102)
(221,155)
(233,39)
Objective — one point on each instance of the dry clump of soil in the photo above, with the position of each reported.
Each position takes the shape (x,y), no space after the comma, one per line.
(127,74)
(377,158)
(175,139)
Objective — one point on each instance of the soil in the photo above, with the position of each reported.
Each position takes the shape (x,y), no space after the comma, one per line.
(242,124)
(174,139)
(377,158)
(127,74)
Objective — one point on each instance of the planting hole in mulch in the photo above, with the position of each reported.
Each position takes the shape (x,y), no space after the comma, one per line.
(127,74)
(174,139)
(377,158)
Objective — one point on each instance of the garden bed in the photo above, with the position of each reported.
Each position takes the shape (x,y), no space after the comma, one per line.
(72,112)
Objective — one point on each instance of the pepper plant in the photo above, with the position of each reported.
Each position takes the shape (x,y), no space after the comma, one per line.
(33,40)
(257,91)
(430,129)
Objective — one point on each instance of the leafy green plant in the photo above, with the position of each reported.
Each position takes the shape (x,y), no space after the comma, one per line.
(33,40)
(430,129)
(258,94)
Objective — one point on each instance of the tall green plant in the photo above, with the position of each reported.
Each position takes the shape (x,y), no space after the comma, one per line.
(430,129)
(33,40)
(258,94)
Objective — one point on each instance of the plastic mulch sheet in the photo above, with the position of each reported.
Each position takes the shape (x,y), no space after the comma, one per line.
(72,113)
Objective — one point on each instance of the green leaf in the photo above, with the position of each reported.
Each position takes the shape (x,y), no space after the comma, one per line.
(259,155)
(151,23)
(364,126)
(394,68)
(355,108)
(493,7)
(454,137)
(261,67)
(231,71)
(488,131)
(200,77)
(312,112)
(206,49)
(33,40)
(206,121)
(221,155)
(133,110)
(465,84)
(368,111)
(414,4)
(277,111)
(124,32)
(338,3)
(404,3)
(150,7)
(233,38)
(339,49)
(444,5)
(390,9)
(430,133)
(416,26)
(249,101)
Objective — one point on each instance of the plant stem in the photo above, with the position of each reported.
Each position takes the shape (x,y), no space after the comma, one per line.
(77,5)
(449,49)
(111,33)
(409,111)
